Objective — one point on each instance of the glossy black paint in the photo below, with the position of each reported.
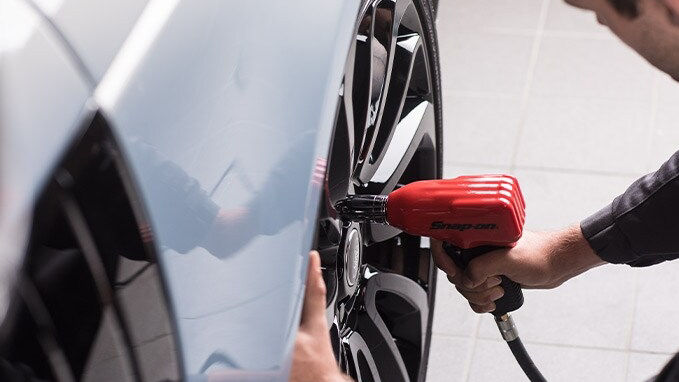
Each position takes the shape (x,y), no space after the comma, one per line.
(90,303)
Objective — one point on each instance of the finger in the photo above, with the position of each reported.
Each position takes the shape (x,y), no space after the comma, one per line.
(442,260)
(455,280)
(490,282)
(483,308)
(313,312)
(485,266)
(483,298)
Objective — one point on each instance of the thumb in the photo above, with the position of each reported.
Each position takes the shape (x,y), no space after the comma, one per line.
(493,263)
(313,312)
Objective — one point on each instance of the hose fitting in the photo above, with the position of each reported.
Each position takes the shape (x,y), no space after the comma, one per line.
(507,327)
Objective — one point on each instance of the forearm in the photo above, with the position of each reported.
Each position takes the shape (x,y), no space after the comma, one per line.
(571,254)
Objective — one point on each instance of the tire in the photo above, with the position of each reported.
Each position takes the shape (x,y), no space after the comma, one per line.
(381,281)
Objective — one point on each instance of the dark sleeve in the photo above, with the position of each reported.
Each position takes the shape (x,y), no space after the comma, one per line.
(16,372)
(641,226)
(670,372)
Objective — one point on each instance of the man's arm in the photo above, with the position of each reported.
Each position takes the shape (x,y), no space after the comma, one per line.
(641,226)
(540,260)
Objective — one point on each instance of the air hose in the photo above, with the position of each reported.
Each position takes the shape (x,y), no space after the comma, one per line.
(509,302)
(509,333)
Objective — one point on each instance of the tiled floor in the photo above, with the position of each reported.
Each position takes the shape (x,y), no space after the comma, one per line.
(540,90)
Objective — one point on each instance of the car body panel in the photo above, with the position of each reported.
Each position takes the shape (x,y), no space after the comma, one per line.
(241,95)
(95,29)
(43,98)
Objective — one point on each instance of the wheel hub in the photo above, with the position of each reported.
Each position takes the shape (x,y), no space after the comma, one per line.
(353,250)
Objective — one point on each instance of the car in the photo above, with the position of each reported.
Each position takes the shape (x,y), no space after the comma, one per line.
(166,166)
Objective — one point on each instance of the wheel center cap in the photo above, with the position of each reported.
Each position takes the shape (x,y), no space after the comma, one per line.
(352,256)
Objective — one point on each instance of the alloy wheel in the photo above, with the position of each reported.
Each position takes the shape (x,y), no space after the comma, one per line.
(381,281)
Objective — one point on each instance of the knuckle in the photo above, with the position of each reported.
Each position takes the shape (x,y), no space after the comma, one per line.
(302,339)
(476,308)
(476,298)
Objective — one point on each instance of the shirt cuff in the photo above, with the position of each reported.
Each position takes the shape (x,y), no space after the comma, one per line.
(606,239)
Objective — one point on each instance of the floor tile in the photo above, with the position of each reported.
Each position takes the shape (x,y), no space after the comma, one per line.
(455,15)
(449,358)
(452,315)
(665,134)
(565,18)
(594,309)
(655,324)
(485,62)
(492,361)
(586,134)
(557,199)
(583,67)
(643,366)
(480,130)
(668,89)
(452,170)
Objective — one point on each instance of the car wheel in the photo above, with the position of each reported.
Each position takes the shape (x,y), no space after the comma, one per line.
(381,281)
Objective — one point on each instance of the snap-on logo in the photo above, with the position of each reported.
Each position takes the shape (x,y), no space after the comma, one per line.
(461,227)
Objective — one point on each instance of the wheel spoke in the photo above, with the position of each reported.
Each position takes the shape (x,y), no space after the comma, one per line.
(348,105)
(342,152)
(422,144)
(407,321)
(363,363)
(418,125)
(362,83)
(383,40)
(410,322)
(406,49)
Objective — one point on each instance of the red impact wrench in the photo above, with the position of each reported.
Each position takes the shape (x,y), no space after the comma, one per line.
(471,215)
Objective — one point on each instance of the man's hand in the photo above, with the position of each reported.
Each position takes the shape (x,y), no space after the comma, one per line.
(539,260)
(313,360)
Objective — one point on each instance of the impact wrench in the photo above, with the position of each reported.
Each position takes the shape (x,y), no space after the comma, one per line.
(472,215)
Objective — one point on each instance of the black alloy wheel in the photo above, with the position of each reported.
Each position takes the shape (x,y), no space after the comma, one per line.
(380,281)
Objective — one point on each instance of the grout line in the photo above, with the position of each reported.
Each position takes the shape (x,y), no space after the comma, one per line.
(635,298)
(582,347)
(622,98)
(547,169)
(528,32)
(457,336)
(475,340)
(581,171)
(481,94)
(532,64)
(601,36)
(474,164)
(655,95)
